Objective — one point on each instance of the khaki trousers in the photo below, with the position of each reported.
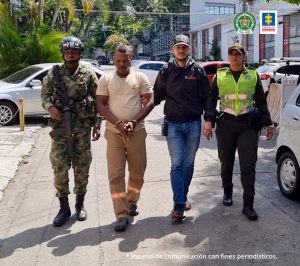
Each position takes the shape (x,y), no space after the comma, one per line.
(119,151)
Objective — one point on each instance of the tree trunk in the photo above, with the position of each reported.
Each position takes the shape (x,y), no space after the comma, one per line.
(55,17)
(41,11)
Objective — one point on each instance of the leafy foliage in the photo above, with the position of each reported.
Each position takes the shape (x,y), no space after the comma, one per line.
(19,49)
(113,41)
(297,2)
(215,50)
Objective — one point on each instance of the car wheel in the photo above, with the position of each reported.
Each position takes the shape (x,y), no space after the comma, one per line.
(8,113)
(288,175)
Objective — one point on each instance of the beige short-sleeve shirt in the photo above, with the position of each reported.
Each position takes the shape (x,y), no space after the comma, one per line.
(124,94)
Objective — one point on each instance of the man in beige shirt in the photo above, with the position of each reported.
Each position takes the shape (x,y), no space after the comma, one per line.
(119,101)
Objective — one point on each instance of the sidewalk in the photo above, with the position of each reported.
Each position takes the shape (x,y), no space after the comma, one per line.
(212,234)
(14,146)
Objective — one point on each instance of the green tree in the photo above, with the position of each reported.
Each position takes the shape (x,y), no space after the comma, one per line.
(297,2)
(19,49)
(113,41)
(215,50)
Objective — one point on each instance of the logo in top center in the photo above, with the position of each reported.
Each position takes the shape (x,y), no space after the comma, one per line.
(244,22)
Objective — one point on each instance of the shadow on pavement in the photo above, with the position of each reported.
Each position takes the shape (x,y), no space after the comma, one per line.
(32,237)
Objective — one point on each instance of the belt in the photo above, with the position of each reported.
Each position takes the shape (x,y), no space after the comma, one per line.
(243,117)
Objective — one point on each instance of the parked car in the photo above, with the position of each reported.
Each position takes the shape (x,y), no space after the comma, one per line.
(277,69)
(211,68)
(102,60)
(149,68)
(90,61)
(288,147)
(26,84)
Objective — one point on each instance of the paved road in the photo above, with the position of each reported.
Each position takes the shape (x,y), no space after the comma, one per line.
(212,234)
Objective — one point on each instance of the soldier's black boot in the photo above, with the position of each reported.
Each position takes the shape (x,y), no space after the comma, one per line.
(64,212)
(81,213)
(227,197)
(248,208)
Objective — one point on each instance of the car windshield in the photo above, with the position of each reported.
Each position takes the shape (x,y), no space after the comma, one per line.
(21,75)
(136,61)
(266,68)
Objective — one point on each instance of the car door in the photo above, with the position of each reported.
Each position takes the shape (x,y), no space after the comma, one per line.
(151,70)
(291,121)
(33,103)
(210,71)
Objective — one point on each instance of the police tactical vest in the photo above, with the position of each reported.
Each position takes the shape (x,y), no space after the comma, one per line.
(236,98)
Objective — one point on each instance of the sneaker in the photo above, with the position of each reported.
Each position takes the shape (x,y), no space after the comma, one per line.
(133,211)
(187,206)
(121,224)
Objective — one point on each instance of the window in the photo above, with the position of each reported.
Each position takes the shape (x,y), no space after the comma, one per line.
(291,69)
(281,70)
(219,8)
(298,100)
(210,70)
(21,75)
(156,67)
(295,26)
(41,75)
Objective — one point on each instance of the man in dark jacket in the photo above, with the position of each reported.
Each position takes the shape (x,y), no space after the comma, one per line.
(185,88)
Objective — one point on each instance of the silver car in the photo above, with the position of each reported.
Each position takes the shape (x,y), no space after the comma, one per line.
(25,84)
(288,147)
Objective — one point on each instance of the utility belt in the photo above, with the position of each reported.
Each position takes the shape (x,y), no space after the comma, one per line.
(243,117)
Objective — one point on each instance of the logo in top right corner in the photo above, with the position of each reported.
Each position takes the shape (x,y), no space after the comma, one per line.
(268,22)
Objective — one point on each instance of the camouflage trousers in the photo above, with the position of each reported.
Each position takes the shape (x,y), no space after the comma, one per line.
(61,162)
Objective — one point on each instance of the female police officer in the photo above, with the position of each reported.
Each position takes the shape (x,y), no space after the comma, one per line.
(238,89)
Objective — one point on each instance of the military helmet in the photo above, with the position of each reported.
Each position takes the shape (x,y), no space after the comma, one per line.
(71,42)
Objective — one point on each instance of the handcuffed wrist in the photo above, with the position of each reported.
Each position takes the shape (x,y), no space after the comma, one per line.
(98,120)
(134,122)
(117,123)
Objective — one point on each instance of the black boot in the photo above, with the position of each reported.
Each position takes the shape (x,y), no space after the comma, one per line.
(81,214)
(132,210)
(248,208)
(121,224)
(227,197)
(64,212)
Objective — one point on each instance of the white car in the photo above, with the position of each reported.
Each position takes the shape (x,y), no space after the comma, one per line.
(149,68)
(288,147)
(277,70)
(25,84)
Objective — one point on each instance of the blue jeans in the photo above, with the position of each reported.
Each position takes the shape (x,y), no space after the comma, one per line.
(183,141)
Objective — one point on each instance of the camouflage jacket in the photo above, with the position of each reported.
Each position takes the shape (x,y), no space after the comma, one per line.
(81,89)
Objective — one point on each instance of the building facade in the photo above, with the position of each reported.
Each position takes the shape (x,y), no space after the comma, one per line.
(258,46)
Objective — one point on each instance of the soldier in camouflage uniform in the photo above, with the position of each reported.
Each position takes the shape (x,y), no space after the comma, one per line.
(80,83)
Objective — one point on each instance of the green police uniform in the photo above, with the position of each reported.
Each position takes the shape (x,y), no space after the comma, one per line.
(238,92)
(236,97)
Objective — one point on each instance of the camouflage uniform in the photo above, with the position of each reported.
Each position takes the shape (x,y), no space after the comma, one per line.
(81,88)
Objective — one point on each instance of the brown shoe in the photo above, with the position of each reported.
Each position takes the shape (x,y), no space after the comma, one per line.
(187,206)
(177,215)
